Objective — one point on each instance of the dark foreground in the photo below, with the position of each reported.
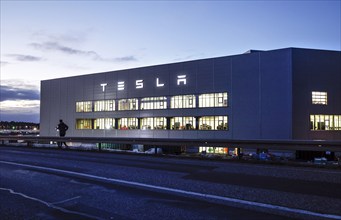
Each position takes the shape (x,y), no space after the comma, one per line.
(59,184)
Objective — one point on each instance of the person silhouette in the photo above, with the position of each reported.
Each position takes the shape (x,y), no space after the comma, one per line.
(62,128)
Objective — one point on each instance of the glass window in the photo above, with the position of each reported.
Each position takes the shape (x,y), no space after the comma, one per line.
(158,123)
(213,100)
(128,123)
(154,103)
(214,150)
(213,123)
(319,98)
(104,123)
(147,123)
(84,106)
(183,123)
(127,104)
(183,101)
(325,122)
(84,123)
(104,105)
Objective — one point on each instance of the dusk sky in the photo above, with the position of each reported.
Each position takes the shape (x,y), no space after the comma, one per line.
(51,39)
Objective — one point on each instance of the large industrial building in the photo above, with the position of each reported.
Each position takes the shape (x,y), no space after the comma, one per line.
(284,94)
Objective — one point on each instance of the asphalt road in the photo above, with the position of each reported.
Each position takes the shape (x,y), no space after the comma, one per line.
(59,184)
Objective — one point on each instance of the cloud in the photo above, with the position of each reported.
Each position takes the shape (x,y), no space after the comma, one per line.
(24,58)
(10,93)
(71,36)
(55,46)
(126,58)
(3,63)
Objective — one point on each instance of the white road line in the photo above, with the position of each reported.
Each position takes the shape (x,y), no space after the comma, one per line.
(66,200)
(196,194)
(50,205)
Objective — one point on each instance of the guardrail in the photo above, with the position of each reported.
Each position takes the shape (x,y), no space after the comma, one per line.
(308,145)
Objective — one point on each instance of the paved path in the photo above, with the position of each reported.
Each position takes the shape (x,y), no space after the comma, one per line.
(58,184)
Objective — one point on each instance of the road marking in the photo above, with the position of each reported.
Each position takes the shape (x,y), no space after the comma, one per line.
(66,200)
(180,191)
(50,205)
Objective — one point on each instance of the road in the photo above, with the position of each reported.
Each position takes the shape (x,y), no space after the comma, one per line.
(65,184)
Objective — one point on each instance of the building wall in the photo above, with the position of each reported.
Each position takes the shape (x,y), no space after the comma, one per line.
(258,85)
(315,70)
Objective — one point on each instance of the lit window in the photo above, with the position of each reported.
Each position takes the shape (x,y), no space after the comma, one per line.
(325,122)
(154,103)
(128,123)
(104,123)
(183,123)
(183,101)
(214,150)
(319,98)
(84,123)
(213,100)
(213,123)
(104,105)
(158,123)
(84,106)
(127,104)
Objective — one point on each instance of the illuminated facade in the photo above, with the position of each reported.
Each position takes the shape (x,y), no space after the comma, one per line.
(278,95)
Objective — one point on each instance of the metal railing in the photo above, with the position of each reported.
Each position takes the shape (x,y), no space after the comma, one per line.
(308,145)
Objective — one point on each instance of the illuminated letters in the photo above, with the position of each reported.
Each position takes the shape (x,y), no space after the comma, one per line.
(103,86)
(159,84)
(139,84)
(120,85)
(181,78)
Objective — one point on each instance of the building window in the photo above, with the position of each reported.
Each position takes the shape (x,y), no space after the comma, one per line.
(213,123)
(183,101)
(128,123)
(214,150)
(325,122)
(127,104)
(319,98)
(104,105)
(104,123)
(213,100)
(84,123)
(183,123)
(158,123)
(84,106)
(154,103)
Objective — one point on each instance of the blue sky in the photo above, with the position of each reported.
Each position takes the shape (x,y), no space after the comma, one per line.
(52,39)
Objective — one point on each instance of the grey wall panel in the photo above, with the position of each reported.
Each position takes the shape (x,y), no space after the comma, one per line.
(45,103)
(245,97)
(276,94)
(205,76)
(222,75)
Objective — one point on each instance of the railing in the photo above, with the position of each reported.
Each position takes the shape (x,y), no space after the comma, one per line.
(308,145)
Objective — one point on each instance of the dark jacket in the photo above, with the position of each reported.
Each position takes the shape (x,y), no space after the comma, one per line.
(62,127)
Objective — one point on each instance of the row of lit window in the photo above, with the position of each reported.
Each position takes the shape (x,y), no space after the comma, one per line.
(156,123)
(325,122)
(181,101)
